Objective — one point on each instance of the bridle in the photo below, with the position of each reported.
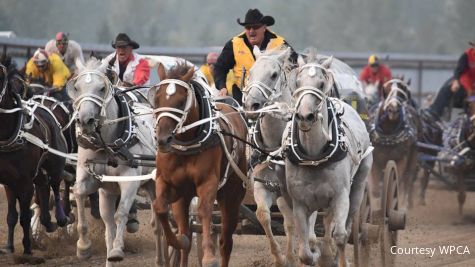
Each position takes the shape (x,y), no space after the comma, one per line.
(393,95)
(320,94)
(270,93)
(5,82)
(169,111)
(102,102)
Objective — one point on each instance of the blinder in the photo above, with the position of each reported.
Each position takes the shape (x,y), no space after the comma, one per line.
(168,111)
(268,92)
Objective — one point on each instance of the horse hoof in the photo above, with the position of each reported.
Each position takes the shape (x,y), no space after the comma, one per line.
(132,226)
(51,227)
(184,242)
(116,255)
(7,250)
(62,222)
(83,252)
(210,262)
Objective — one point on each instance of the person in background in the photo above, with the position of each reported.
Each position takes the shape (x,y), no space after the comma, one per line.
(237,53)
(459,86)
(68,50)
(131,68)
(375,72)
(50,70)
(208,70)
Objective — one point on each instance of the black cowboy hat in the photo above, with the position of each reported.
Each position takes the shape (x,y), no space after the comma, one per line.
(123,39)
(254,16)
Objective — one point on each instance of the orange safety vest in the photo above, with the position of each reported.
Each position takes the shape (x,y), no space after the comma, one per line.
(244,57)
(467,79)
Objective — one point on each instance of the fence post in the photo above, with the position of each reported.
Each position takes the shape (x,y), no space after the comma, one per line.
(420,66)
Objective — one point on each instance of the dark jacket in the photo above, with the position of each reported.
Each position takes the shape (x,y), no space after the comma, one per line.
(226,59)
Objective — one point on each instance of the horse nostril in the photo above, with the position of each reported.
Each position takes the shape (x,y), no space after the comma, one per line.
(165,140)
(90,121)
(255,106)
(310,117)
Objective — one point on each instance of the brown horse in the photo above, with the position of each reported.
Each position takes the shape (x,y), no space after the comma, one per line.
(394,133)
(183,174)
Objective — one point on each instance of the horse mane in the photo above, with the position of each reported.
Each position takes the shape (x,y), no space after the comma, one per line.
(92,63)
(7,61)
(178,71)
(15,77)
(287,65)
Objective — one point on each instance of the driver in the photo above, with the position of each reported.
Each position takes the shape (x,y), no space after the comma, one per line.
(131,68)
(51,70)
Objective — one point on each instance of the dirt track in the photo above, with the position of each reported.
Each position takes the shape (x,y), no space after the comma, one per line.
(431,226)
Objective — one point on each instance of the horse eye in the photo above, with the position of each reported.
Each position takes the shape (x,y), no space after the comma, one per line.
(274,76)
(320,84)
(103,89)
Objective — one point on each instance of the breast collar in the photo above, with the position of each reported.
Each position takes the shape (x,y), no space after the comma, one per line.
(207,124)
(336,149)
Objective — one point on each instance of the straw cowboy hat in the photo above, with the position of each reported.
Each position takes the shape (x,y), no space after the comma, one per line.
(254,16)
(123,39)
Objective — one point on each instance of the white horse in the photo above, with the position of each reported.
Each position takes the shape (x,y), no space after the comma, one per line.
(328,157)
(102,141)
(267,85)
(371,93)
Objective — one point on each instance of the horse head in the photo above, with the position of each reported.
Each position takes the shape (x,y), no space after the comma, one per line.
(401,86)
(371,91)
(395,92)
(267,79)
(11,80)
(175,104)
(91,93)
(313,85)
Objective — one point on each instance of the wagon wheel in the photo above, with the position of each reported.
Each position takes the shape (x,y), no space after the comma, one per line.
(393,219)
(171,255)
(361,244)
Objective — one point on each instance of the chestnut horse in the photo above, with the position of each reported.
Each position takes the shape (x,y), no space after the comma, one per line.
(23,164)
(183,173)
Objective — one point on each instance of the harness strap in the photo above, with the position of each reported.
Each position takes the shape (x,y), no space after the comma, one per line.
(39,143)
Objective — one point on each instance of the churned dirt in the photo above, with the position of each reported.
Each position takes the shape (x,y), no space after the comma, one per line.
(436,224)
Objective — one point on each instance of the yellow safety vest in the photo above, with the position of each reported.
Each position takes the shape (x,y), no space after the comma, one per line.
(229,78)
(55,75)
(244,57)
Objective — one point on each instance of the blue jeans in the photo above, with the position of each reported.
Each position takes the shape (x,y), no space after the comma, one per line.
(444,96)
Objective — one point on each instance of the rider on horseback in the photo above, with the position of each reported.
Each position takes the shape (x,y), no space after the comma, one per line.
(68,50)
(50,69)
(375,72)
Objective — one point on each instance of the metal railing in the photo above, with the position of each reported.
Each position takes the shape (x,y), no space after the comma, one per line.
(416,65)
